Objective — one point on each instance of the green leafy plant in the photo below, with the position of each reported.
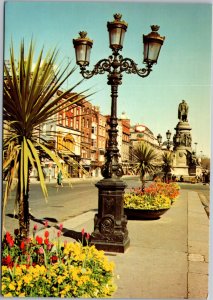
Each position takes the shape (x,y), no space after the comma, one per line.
(146,158)
(30,99)
(38,267)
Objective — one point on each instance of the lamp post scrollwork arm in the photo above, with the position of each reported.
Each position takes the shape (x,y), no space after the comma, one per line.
(129,66)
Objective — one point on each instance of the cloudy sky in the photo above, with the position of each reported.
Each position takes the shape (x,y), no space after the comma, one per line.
(183,70)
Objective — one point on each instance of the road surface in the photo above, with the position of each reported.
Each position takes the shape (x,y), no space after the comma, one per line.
(67,202)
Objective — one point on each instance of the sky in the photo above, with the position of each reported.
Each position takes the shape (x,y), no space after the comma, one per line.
(183,70)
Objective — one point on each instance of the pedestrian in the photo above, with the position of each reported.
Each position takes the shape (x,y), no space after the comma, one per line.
(59,179)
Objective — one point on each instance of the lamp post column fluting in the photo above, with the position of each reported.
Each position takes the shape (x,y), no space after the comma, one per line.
(110,224)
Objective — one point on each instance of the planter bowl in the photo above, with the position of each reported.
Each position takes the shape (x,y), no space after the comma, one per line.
(144,214)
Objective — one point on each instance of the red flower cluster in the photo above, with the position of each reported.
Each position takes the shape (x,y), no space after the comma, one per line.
(9,239)
(7,261)
(170,190)
(30,251)
(87,235)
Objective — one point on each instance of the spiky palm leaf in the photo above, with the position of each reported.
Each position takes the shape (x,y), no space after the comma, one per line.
(146,158)
(167,163)
(29,100)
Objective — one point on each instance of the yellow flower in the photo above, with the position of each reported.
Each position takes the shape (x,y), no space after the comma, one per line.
(26,279)
(75,274)
(94,282)
(4,269)
(8,295)
(60,279)
(67,288)
(22,295)
(12,287)
(18,271)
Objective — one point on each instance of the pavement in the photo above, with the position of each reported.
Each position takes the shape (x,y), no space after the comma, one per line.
(168,258)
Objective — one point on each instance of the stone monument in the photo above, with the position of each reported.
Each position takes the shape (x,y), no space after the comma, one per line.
(185,162)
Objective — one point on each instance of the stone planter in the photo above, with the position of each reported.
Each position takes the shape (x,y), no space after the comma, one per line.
(144,214)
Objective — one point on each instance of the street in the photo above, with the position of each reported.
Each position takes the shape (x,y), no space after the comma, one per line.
(66,202)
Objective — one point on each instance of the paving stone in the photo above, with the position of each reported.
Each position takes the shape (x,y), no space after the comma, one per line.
(196,257)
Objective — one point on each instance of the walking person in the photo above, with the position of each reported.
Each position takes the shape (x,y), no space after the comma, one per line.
(59,179)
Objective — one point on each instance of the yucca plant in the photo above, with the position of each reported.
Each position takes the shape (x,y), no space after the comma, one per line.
(30,99)
(146,158)
(167,164)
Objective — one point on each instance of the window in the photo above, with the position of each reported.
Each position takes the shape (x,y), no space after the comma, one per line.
(83,122)
(94,143)
(60,119)
(77,124)
(66,121)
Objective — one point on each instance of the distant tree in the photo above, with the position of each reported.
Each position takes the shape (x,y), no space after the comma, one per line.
(146,158)
(167,164)
(205,163)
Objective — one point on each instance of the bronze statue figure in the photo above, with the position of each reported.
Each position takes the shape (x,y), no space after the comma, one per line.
(183,111)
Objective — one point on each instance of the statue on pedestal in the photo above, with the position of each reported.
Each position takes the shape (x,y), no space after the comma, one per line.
(183,111)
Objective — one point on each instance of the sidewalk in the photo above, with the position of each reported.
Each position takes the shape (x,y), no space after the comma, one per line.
(167,258)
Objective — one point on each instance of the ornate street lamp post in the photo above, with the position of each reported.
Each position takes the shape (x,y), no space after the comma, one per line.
(168,136)
(167,167)
(159,139)
(110,230)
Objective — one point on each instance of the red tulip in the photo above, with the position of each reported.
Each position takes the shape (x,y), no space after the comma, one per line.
(9,239)
(39,240)
(46,241)
(54,258)
(22,245)
(46,234)
(49,246)
(8,259)
(41,250)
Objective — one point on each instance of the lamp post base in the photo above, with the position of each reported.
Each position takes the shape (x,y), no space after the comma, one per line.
(110,231)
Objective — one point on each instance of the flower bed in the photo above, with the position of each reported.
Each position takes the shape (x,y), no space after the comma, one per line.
(157,196)
(37,267)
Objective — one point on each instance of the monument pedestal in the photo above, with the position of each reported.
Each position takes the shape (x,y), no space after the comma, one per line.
(182,148)
(185,161)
